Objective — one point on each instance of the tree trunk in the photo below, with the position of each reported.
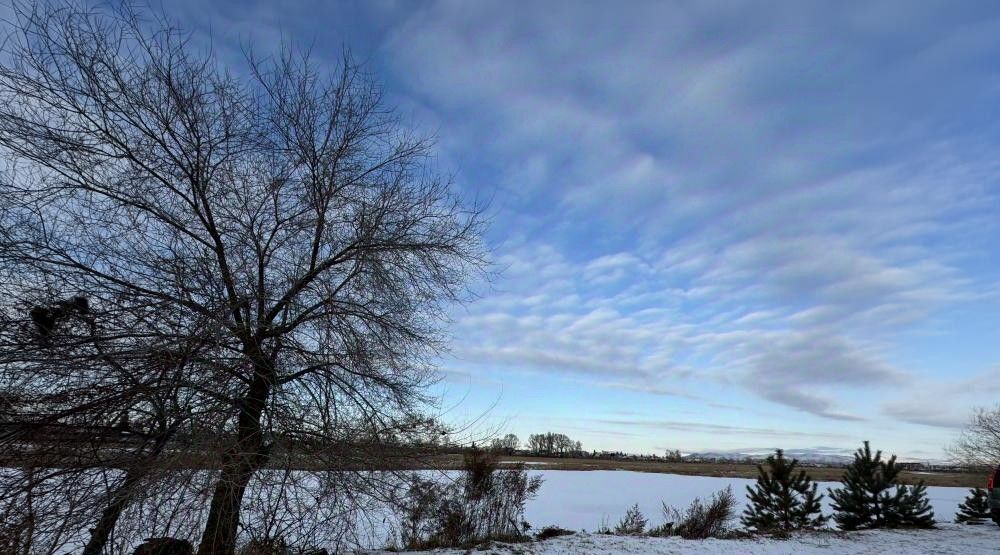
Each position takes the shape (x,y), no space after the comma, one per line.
(219,537)
(109,517)
(247,455)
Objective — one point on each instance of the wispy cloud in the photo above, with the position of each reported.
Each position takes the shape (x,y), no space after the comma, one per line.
(708,428)
(751,206)
(788,208)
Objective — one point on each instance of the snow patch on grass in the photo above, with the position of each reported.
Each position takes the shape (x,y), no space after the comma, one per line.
(949,539)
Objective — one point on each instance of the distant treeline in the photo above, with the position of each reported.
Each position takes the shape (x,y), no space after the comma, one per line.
(546,444)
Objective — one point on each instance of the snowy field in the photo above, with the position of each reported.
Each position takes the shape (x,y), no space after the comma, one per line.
(582,500)
(950,539)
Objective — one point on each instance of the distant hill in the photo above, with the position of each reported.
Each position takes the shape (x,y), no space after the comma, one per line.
(833,456)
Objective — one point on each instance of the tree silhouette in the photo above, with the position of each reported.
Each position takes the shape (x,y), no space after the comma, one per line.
(283,225)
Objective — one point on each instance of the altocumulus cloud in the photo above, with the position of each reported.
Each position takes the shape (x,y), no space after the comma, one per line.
(767,198)
(784,207)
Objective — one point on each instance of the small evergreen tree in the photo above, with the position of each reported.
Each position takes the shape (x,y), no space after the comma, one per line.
(871,497)
(632,524)
(975,509)
(853,503)
(909,507)
(783,499)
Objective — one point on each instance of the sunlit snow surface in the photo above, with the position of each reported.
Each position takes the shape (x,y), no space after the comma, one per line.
(580,500)
(949,539)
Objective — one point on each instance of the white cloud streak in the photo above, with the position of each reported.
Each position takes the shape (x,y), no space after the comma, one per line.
(715,195)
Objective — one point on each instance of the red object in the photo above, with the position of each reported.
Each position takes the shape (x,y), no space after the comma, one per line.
(992,480)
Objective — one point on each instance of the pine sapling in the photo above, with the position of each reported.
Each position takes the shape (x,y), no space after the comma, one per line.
(632,524)
(975,509)
(910,508)
(783,499)
(871,497)
(854,502)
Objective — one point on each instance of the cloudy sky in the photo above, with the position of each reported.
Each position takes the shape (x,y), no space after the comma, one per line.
(718,225)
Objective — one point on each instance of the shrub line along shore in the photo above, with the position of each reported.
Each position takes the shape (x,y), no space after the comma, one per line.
(717,470)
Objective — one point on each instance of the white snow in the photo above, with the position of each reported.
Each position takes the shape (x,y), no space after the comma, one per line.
(582,499)
(949,539)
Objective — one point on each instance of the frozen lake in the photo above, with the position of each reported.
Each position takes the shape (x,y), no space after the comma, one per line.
(579,500)
(582,500)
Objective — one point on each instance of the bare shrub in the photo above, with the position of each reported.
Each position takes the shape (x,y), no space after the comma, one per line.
(632,524)
(273,546)
(299,509)
(662,531)
(277,546)
(479,466)
(484,503)
(550,532)
(170,507)
(164,546)
(700,520)
(42,510)
(15,535)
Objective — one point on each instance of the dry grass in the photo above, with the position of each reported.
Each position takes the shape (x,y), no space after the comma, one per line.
(724,470)
(417,461)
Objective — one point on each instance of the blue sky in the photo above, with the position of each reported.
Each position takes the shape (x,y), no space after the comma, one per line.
(719,225)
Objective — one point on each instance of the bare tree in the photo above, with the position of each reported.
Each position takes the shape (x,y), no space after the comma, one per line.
(551,443)
(278,226)
(979,444)
(94,396)
(508,444)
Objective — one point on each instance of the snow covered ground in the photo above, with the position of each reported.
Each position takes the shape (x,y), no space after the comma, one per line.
(582,500)
(948,539)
